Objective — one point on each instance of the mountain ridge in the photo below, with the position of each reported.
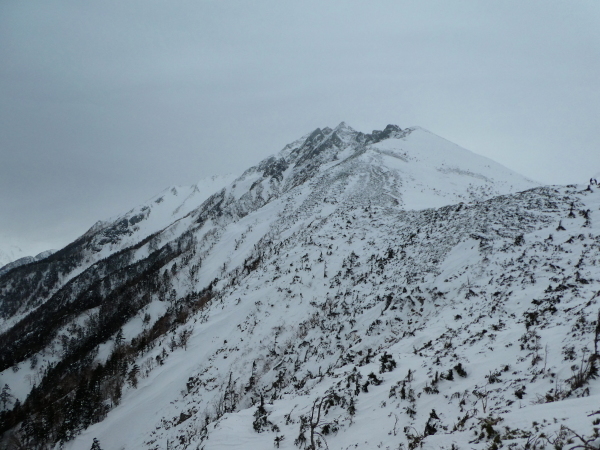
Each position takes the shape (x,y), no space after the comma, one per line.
(295,286)
(25,260)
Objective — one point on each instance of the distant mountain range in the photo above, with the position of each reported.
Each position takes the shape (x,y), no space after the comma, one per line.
(12,262)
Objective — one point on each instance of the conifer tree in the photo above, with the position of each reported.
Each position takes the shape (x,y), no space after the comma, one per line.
(261,421)
(133,374)
(119,338)
(5,396)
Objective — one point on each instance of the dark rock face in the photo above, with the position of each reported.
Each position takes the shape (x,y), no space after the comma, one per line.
(273,168)
(388,132)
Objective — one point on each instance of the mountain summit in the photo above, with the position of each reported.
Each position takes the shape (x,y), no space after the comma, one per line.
(381,290)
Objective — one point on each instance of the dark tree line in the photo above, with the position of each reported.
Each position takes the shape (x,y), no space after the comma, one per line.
(76,393)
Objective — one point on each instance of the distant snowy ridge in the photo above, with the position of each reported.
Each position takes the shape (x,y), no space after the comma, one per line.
(25,260)
(154,215)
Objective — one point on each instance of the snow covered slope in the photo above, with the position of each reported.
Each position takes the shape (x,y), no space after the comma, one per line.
(436,172)
(382,290)
(488,320)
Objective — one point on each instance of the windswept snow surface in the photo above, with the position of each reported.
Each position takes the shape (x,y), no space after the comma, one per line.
(317,268)
(436,172)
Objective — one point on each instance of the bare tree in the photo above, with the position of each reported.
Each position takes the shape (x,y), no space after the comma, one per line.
(597,335)
(585,442)
(316,421)
(482,396)
(184,337)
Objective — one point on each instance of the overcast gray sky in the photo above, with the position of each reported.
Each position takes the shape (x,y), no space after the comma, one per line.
(105,103)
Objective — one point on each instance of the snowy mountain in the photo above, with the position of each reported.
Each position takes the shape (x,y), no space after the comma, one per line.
(383,290)
(109,237)
(25,260)
(152,216)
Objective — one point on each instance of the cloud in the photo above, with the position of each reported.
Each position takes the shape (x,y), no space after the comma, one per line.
(106,103)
